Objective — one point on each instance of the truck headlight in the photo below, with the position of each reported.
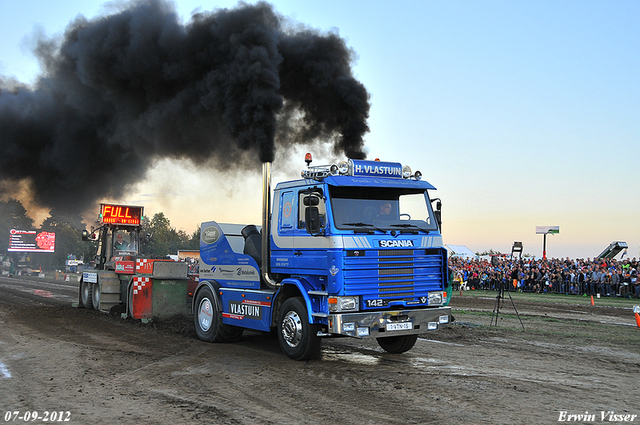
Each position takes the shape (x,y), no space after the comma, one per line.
(435,298)
(340,304)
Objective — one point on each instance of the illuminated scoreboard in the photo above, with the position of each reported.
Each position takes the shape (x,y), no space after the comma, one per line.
(120,214)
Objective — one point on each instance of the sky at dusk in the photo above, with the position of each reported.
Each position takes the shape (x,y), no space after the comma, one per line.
(521,114)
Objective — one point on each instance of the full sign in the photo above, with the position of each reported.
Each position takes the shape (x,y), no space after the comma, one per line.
(120,214)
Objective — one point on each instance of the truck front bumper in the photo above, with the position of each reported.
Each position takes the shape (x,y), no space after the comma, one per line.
(377,324)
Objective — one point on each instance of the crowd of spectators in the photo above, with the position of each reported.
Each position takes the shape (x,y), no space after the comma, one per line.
(607,277)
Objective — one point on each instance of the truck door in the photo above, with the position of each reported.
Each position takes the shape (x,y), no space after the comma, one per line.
(283,237)
(296,251)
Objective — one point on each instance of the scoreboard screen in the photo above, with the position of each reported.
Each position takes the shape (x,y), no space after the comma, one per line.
(120,214)
(31,241)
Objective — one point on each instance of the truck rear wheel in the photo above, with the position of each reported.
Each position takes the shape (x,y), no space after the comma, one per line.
(86,294)
(208,320)
(298,338)
(397,344)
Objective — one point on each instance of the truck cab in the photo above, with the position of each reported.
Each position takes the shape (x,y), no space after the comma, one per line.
(355,250)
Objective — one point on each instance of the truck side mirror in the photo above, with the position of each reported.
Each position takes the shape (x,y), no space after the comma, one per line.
(311,201)
(312,220)
(438,212)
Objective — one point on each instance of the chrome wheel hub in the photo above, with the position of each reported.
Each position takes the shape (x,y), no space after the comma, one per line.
(292,329)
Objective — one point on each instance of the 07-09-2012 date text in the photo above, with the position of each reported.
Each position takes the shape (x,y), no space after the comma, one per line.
(33,416)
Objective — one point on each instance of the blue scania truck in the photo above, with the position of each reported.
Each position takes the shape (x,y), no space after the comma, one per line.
(349,250)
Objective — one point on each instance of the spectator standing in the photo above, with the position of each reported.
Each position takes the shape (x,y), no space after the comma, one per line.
(615,283)
(581,282)
(605,283)
(594,281)
(626,282)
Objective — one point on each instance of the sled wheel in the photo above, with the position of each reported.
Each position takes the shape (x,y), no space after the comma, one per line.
(130,301)
(86,295)
(95,295)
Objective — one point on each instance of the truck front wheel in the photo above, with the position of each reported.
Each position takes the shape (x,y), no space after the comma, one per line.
(208,320)
(397,344)
(298,338)
(86,291)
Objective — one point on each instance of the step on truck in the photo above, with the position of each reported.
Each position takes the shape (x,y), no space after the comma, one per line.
(349,250)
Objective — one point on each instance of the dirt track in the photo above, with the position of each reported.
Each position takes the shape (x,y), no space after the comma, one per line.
(102,369)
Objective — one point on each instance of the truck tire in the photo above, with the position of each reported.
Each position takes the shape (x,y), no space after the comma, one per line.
(208,320)
(85,295)
(298,338)
(397,344)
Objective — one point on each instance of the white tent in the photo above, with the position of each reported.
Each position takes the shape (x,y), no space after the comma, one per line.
(460,251)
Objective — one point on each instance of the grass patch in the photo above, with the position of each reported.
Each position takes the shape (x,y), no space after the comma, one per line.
(555,298)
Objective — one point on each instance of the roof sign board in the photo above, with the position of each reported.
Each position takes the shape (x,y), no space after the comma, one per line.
(362,168)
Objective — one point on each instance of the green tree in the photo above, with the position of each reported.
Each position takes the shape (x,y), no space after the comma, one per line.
(163,240)
(159,239)
(13,215)
(194,241)
(68,229)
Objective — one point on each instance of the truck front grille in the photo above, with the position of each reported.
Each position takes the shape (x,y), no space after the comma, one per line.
(394,274)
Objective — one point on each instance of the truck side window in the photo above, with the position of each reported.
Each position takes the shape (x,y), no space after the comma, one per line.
(302,208)
(287,215)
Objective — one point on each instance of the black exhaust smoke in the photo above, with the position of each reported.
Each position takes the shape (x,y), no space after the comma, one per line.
(119,91)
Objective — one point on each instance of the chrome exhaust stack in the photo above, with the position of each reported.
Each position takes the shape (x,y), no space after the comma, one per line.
(266,226)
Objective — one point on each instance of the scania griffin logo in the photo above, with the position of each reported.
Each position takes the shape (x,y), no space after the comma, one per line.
(392,243)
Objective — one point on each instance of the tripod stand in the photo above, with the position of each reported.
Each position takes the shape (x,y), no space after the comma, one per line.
(496,307)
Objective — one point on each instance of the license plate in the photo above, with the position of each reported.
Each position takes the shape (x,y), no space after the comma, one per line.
(402,326)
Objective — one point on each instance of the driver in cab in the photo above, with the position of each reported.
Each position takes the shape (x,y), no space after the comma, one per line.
(385,210)
(121,244)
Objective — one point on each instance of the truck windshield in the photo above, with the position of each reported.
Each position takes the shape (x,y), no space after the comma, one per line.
(382,209)
(126,240)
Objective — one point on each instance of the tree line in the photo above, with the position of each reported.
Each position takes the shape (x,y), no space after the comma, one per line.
(164,239)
